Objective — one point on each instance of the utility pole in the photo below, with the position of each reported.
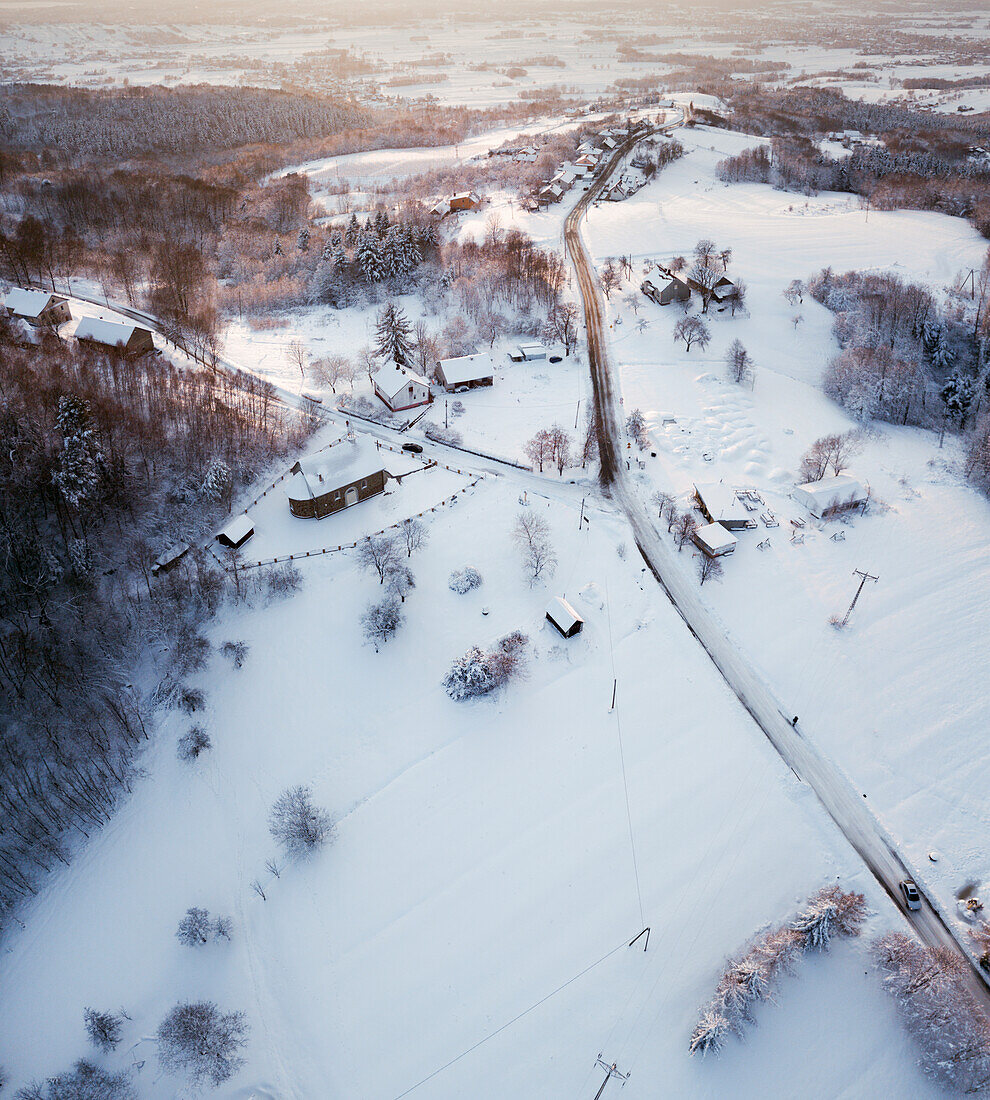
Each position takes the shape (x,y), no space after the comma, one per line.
(864,577)
(610,1072)
(576,411)
(581,520)
(446,419)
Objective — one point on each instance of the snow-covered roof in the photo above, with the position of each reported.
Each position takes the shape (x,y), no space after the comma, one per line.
(715,538)
(29,303)
(353,458)
(390,378)
(830,492)
(720,503)
(239,528)
(467,368)
(101,331)
(563,614)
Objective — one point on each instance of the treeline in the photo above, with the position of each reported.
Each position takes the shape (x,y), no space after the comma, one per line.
(105,464)
(138,122)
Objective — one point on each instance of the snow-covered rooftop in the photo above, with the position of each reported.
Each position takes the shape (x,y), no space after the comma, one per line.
(28,303)
(715,539)
(830,492)
(112,333)
(720,502)
(390,378)
(563,614)
(467,368)
(351,459)
(239,528)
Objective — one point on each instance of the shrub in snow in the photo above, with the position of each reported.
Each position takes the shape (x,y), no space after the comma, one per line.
(478,672)
(191,744)
(457,408)
(85,1081)
(382,620)
(235,652)
(830,912)
(223,928)
(190,699)
(202,1042)
(439,434)
(103,1028)
(709,1033)
(463,580)
(283,579)
(190,652)
(194,928)
(297,824)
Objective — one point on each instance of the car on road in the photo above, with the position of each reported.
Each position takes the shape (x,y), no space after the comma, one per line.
(912,897)
(555,359)
(414,448)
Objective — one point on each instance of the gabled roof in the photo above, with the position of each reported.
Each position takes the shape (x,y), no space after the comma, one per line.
(29,303)
(238,528)
(830,492)
(390,378)
(720,502)
(467,368)
(563,614)
(353,458)
(101,331)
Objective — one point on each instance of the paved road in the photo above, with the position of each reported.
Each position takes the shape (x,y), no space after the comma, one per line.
(846,806)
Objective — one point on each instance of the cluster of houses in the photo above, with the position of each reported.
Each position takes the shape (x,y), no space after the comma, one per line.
(728,510)
(667,285)
(43,310)
(592,154)
(400,388)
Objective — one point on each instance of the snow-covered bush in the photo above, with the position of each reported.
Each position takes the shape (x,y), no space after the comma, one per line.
(190,699)
(103,1028)
(383,619)
(298,825)
(282,580)
(709,1033)
(463,580)
(830,913)
(235,652)
(439,434)
(201,1041)
(457,408)
(193,743)
(479,672)
(85,1081)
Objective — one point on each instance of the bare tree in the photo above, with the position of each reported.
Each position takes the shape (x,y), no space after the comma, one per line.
(830,452)
(414,535)
(400,581)
(737,298)
(105,1029)
(739,363)
(560,443)
(235,652)
(333,370)
(193,743)
(203,1042)
(539,450)
(684,529)
(692,330)
(561,325)
(379,552)
(298,357)
(611,278)
(533,536)
(297,824)
(662,500)
(706,271)
(589,440)
(381,620)
(794,292)
(194,928)
(709,568)
(632,300)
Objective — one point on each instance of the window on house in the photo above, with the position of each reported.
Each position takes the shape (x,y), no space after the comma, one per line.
(364,485)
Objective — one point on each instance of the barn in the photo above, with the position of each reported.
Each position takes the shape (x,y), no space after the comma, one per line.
(676,290)
(37,307)
(237,532)
(130,339)
(348,472)
(400,388)
(469,371)
(564,617)
(831,495)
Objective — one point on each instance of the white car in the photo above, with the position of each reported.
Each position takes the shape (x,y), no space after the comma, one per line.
(912,897)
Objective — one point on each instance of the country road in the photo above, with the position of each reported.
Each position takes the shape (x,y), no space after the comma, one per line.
(845,805)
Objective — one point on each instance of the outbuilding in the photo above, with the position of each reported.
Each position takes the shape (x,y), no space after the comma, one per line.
(170,558)
(831,495)
(37,307)
(528,353)
(400,388)
(237,532)
(564,617)
(719,504)
(471,371)
(714,541)
(347,473)
(127,338)
(675,290)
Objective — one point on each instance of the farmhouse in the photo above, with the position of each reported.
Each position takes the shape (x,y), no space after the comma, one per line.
(466,370)
(528,353)
(237,532)
(553,192)
(718,504)
(586,160)
(714,540)
(676,290)
(37,307)
(831,495)
(350,471)
(564,617)
(400,388)
(126,337)
(464,200)
(724,289)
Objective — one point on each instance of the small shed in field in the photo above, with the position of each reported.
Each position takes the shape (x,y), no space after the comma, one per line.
(831,495)
(528,353)
(714,541)
(37,307)
(466,370)
(127,338)
(718,504)
(237,532)
(564,617)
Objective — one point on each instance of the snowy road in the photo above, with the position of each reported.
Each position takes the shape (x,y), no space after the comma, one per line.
(844,804)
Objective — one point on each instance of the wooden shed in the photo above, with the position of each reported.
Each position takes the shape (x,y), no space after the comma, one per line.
(237,532)
(564,617)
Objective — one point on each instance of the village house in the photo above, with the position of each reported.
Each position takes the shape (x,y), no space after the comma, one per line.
(348,472)
(130,339)
(464,200)
(719,504)
(466,372)
(400,388)
(553,192)
(831,495)
(675,290)
(37,307)
(714,541)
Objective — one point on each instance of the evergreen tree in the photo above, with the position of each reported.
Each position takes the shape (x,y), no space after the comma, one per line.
(393,335)
(302,241)
(80,464)
(381,224)
(277,248)
(352,233)
(370,259)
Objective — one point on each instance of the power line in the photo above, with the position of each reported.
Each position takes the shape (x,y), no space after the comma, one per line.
(515,1019)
